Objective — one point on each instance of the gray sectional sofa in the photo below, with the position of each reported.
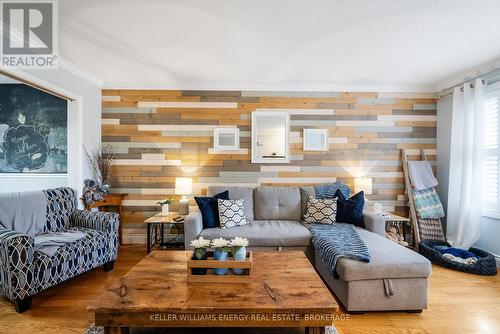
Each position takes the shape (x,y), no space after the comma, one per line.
(395,279)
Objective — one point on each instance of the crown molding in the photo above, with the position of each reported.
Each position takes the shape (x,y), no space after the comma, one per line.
(271,86)
(61,61)
(467,75)
(82,74)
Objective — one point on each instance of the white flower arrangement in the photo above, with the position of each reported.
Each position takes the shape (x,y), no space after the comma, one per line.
(220,243)
(238,242)
(200,243)
(200,247)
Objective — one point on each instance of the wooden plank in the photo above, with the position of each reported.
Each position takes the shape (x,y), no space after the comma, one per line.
(167,104)
(119,104)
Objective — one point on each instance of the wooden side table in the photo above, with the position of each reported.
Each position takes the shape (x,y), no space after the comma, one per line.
(111,200)
(398,221)
(156,231)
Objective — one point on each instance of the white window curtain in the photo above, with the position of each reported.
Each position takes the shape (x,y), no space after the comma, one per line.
(466,152)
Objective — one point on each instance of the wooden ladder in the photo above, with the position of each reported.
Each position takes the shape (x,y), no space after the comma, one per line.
(409,193)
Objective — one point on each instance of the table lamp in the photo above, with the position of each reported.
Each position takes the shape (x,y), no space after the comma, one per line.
(363,184)
(183,186)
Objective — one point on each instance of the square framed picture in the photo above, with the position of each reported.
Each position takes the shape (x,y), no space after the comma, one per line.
(226,139)
(315,139)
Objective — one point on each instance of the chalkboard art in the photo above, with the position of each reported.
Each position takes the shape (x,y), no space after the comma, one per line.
(33,131)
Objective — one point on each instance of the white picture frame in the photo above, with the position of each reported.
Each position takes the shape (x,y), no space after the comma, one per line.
(226,139)
(315,139)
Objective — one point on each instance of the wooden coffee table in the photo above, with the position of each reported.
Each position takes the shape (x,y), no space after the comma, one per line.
(286,291)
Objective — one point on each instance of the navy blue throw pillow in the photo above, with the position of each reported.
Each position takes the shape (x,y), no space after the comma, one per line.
(350,210)
(209,209)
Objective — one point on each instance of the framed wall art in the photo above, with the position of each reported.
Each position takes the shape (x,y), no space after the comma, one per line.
(226,139)
(315,140)
(33,131)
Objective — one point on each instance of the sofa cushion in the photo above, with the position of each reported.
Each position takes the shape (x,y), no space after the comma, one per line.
(277,203)
(329,190)
(321,210)
(388,260)
(95,240)
(244,193)
(350,210)
(209,208)
(231,213)
(61,202)
(305,192)
(265,233)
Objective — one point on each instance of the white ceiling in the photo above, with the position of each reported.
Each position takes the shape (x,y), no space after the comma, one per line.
(385,45)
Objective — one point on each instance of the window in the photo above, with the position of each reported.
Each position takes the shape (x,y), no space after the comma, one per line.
(491,190)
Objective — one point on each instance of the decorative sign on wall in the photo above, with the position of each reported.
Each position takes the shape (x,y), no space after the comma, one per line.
(33,131)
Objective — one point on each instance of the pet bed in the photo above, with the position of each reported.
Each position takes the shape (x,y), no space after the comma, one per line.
(485,265)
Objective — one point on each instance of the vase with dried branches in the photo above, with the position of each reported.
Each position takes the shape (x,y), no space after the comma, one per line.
(100,161)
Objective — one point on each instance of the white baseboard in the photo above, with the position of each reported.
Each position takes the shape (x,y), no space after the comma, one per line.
(497,258)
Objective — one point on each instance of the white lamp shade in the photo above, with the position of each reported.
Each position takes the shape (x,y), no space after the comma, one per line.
(363,184)
(183,186)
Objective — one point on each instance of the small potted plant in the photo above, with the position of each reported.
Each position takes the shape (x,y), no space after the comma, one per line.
(239,251)
(200,246)
(221,248)
(165,205)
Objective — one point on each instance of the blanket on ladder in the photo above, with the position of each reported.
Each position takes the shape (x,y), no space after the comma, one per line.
(334,241)
(427,204)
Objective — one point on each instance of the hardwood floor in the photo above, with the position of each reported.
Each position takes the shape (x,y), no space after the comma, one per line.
(458,303)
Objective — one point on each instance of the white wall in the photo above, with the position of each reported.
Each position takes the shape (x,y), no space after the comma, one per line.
(84,127)
(443,140)
(490,234)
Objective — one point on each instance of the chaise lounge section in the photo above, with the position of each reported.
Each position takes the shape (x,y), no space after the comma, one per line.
(395,279)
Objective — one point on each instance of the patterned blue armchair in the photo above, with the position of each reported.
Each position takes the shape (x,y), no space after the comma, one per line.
(25,272)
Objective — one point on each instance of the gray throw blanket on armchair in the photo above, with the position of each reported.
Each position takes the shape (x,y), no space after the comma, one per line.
(26,212)
(333,241)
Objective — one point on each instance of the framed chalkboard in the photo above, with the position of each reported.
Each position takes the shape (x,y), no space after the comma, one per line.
(33,131)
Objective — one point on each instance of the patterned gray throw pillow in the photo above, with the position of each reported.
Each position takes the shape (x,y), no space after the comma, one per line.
(231,213)
(321,211)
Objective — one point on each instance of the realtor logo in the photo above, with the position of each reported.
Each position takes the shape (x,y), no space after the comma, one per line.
(29,34)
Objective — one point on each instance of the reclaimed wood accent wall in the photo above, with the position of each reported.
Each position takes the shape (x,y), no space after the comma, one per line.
(163,134)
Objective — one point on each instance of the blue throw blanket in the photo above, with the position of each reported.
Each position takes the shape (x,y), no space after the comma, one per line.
(461,253)
(329,190)
(338,240)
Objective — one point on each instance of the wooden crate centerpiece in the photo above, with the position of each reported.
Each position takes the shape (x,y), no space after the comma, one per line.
(229,277)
